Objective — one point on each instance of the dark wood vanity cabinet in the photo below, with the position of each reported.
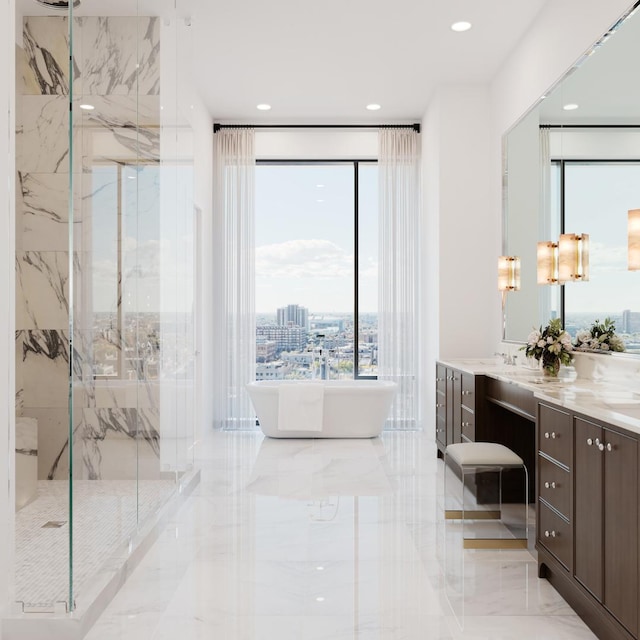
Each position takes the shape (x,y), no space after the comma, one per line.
(441,406)
(456,409)
(587,531)
(606,519)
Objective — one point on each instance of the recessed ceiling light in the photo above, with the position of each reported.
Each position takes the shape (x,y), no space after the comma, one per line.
(572,106)
(319,200)
(461,26)
(319,599)
(320,186)
(263,107)
(320,568)
(373,107)
(87,107)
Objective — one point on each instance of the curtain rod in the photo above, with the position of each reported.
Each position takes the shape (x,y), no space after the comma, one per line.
(589,126)
(415,126)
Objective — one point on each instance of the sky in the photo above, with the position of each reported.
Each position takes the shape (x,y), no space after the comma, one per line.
(305,237)
(597,198)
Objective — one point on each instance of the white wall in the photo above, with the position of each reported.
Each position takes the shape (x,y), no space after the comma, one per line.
(314,144)
(7,294)
(618,144)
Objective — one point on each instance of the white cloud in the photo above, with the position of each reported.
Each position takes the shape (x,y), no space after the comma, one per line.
(303,259)
(606,257)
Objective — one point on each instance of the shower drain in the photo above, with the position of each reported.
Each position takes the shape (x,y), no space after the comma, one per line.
(54,524)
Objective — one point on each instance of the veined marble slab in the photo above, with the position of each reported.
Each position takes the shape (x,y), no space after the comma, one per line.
(42,139)
(137,426)
(43,212)
(118,56)
(43,69)
(42,289)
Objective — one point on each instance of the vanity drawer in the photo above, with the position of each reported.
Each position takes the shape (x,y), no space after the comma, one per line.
(555,534)
(441,430)
(555,434)
(468,391)
(441,405)
(441,378)
(554,486)
(468,423)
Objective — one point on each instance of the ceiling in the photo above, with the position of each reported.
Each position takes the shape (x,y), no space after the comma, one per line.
(325,61)
(604,86)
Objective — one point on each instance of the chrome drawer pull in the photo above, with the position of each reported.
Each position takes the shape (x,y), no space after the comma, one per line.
(549,485)
(609,447)
(546,434)
(553,434)
(465,424)
(550,534)
(589,441)
(601,447)
(439,404)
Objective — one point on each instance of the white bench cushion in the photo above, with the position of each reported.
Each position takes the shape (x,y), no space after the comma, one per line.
(479,454)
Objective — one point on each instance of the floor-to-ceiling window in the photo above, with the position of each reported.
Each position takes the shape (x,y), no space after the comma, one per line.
(316,269)
(593,197)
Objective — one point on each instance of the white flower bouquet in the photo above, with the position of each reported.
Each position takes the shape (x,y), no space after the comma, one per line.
(552,345)
(600,337)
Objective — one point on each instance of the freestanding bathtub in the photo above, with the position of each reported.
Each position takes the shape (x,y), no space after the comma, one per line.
(351,408)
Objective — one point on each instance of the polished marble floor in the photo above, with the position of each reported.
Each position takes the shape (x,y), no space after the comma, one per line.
(328,539)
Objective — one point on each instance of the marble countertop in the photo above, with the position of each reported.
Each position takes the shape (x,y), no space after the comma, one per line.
(610,401)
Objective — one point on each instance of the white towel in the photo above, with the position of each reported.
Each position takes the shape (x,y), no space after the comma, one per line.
(300,406)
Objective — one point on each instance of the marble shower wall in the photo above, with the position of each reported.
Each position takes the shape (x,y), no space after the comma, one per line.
(116,68)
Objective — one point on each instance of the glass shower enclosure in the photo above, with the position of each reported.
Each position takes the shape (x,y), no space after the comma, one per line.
(105,271)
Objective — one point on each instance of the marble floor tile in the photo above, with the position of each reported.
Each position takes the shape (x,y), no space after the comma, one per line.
(328,540)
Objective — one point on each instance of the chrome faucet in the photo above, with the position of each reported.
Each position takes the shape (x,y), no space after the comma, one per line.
(507,358)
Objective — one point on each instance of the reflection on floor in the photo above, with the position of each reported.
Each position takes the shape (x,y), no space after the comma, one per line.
(328,539)
(105,513)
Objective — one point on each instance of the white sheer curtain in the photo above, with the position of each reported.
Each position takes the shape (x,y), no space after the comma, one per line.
(399,220)
(234,243)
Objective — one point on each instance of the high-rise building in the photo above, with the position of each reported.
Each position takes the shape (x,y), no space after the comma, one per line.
(293,315)
(630,321)
(287,338)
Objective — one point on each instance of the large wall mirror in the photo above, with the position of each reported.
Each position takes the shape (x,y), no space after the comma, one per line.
(572,165)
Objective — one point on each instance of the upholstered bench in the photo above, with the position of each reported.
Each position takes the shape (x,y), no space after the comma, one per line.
(480,457)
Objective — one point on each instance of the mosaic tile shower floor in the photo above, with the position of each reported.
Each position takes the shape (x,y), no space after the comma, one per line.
(105,513)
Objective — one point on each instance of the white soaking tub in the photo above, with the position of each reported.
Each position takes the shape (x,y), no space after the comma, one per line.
(347,409)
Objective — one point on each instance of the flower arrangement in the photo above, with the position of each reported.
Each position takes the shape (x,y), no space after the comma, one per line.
(600,337)
(552,345)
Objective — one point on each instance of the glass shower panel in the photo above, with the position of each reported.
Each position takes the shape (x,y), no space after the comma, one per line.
(43,347)
(176,329)
(107,413)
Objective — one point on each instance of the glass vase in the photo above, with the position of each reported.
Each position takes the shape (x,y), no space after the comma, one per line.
(550,367)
